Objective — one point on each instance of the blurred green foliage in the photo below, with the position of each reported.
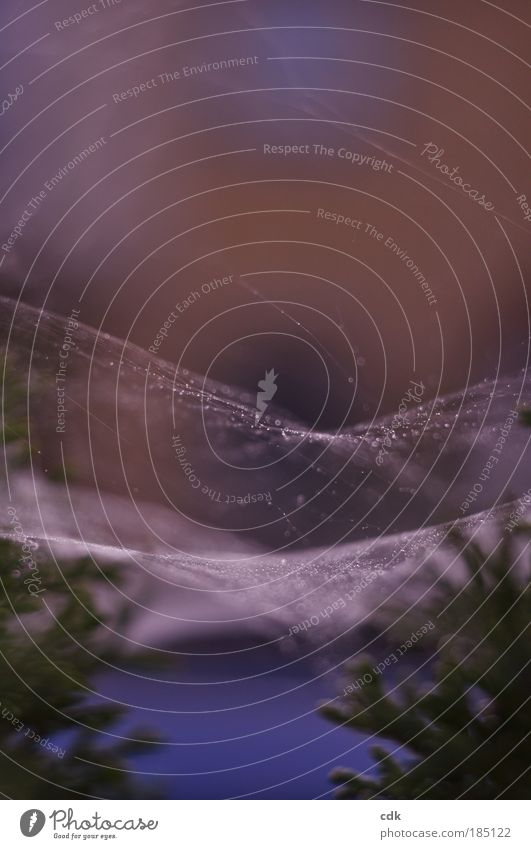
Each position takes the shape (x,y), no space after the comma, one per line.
(51,646)
(463,730)
(53,643)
